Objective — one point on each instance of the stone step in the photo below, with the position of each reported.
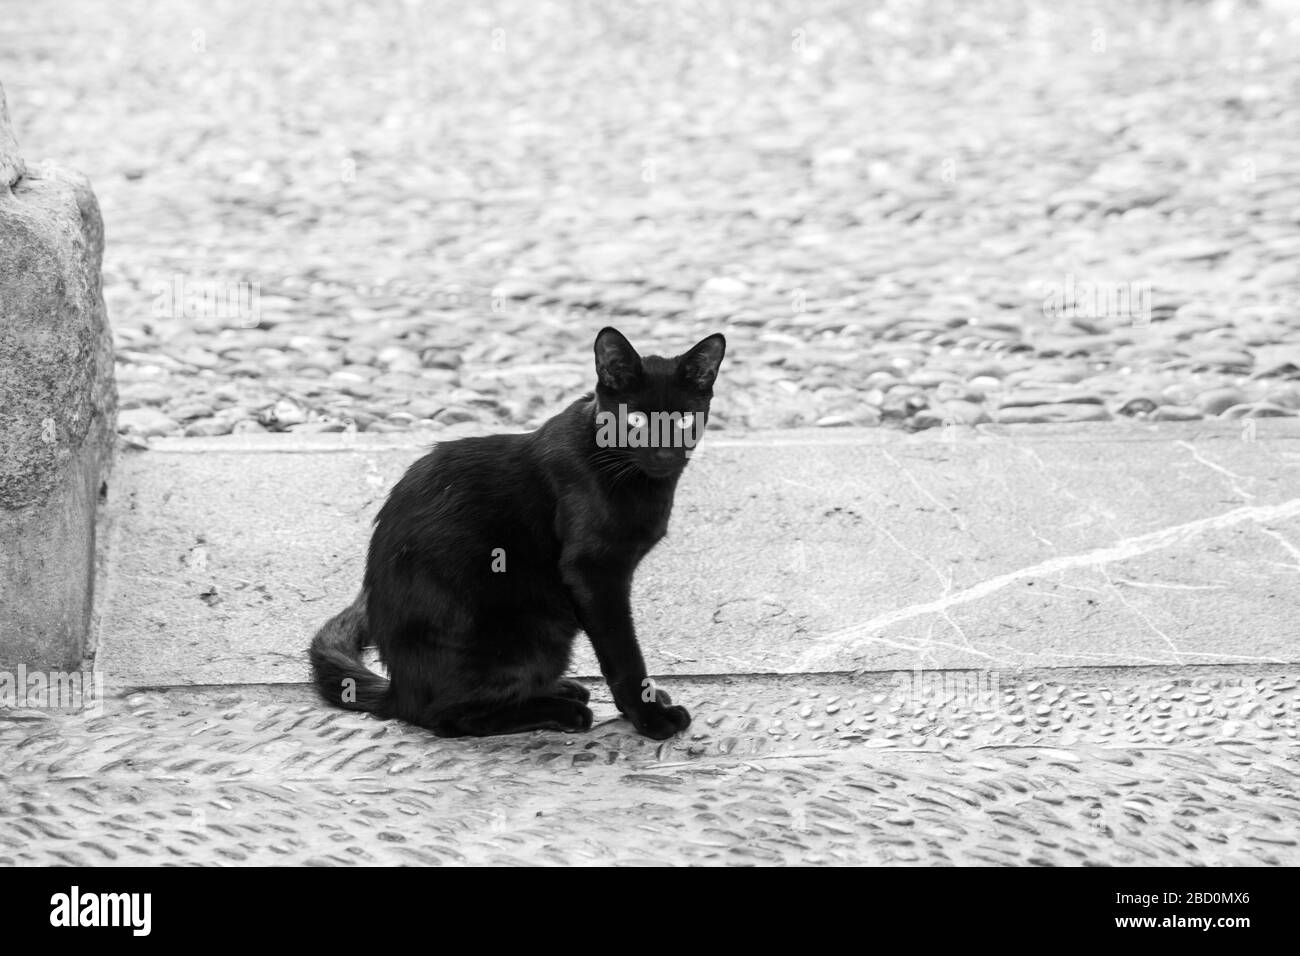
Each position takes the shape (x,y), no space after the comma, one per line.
(810,551)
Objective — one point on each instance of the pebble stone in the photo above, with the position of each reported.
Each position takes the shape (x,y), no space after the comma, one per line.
(378,251)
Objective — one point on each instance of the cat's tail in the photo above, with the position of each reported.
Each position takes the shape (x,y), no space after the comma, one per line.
(335,655)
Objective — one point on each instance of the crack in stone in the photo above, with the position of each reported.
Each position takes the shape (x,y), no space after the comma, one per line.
(1060,583)
(1291,548)
(1166,586)
(1107,516)
(1139,613)
(1120,551)
(1034,532)
(945,581)
(966,648)
(926,493)
(1232,476)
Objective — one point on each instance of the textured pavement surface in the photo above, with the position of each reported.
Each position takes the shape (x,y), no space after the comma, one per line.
(1090,767)
(398,215)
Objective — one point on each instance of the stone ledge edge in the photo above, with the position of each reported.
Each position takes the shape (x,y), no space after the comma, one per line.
(1266,430)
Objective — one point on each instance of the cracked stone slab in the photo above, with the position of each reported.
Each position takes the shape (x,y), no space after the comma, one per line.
(1137,766)
(995,547)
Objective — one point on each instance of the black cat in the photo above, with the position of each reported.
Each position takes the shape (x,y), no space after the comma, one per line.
(492,553)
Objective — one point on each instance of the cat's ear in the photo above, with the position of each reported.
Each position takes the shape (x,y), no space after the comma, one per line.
(699,366)
(618,367)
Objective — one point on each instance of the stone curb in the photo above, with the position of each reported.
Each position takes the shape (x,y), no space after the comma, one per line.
(1012,547)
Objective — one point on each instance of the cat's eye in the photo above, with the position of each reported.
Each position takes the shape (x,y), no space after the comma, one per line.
(637,420)
(687,421)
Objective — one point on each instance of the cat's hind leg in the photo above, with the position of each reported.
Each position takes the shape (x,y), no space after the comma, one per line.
(488,720)
(570,689)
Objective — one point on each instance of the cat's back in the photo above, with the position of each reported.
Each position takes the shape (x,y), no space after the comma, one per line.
(472,488)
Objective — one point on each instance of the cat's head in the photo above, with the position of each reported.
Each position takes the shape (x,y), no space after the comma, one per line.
(651,411)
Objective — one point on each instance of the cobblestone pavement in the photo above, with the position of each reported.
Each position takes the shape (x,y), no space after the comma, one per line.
(395,215)
(1104,766)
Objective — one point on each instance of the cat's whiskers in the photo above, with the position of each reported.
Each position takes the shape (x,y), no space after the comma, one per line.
(613,467)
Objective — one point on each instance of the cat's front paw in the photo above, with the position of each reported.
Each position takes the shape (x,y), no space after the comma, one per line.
(659,722)
(648,692)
